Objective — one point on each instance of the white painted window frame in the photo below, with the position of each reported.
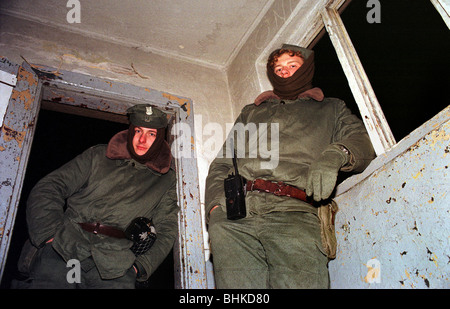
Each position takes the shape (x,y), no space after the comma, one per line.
(370,109)
(443,7)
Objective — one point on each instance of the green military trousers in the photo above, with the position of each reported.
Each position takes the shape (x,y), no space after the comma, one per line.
(50,271)
(273,250)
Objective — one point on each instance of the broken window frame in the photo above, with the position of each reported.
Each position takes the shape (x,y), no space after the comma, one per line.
(443,8)
(372,115)
(371,112)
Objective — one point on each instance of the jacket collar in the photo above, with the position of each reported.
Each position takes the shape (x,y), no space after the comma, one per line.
(313,93)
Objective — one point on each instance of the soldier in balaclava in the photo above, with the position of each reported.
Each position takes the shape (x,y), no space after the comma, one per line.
(284,240)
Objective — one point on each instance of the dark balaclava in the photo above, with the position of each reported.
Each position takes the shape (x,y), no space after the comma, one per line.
(289,88)
(144,115)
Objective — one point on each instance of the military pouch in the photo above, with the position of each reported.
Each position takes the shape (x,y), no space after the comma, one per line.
(143,234)
(26,259)
(327,214)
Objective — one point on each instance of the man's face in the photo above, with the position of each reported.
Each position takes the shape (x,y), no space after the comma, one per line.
(287,65)
(143,139)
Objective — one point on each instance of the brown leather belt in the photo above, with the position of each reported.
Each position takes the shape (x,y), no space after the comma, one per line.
(97,228)
(277,188)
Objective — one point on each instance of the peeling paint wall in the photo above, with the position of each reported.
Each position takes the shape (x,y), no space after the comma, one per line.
(15,140)
(392,227)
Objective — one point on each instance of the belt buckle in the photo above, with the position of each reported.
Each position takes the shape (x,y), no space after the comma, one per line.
(96,228)
(281,185)
(253,184)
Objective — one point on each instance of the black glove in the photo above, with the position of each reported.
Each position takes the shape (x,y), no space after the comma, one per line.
(143,234)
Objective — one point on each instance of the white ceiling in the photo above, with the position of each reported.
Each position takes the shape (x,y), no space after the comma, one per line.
(206,32)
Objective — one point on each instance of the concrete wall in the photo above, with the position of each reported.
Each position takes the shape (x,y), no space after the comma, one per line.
(392,226)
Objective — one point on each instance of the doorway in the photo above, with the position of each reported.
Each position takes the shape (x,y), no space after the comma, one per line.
(89,96)
(59,137)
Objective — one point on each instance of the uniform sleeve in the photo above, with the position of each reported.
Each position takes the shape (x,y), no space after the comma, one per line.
(214,190)
(165,220)
(351,133)
(45,204)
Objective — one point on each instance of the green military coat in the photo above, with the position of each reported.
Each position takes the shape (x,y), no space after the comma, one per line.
(306,127)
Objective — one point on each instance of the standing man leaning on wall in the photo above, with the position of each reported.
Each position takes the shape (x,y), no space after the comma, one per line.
(113,209)
(278,241)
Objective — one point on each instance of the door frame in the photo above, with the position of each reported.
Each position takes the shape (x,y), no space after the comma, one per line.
(107,99)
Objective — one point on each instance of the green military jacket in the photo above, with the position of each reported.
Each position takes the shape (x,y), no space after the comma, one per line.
(306,127)
(112,191)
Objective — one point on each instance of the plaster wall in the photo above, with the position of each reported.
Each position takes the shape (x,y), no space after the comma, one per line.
(392,226)
(242,73)
(46,45)
(287,21)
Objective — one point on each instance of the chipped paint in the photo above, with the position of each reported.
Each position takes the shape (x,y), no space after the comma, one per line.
(420,173)
(184,103)
(10,134)
(22,97)
(439,137)
(15,144)
(399,213)
(27,77)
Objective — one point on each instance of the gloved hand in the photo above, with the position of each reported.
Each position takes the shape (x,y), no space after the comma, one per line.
(323,172)
(142,233)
